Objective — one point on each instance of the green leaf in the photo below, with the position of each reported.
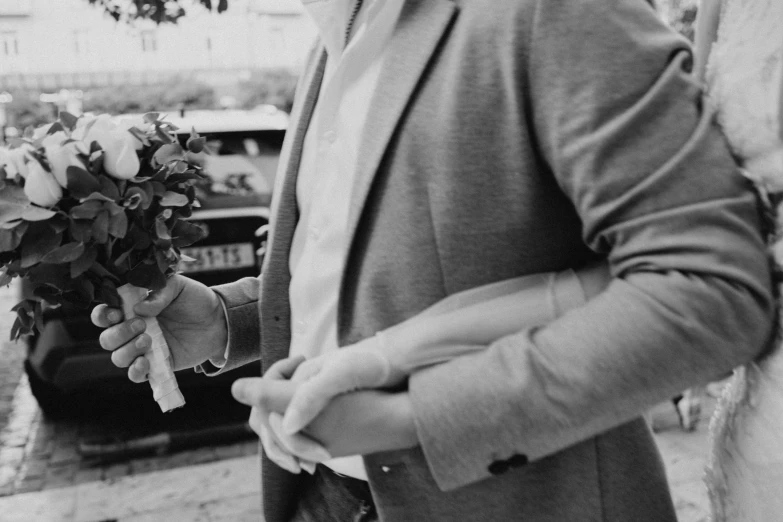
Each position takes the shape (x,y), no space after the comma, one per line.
(113,208)
(107,293)
(33,213)
(138,196)
(163,261)
(13,203)
(109,188)
(58,276)
(147,276)
(169,152)
(5,278)
(163,136)
(196,144)
(123,257)
(55,127)
(16,330)
(118,225)
(37,243)
(85,290)
(101,271)
(161,230)
(158,188)
(100,227)
(173,199)
(68,119)
(85,261)
(186,233)
(151,117)
(65,253)
(140,135)
(39,320)
(10,239)
(81,183)
(59,224)
(87,210)
(81,230)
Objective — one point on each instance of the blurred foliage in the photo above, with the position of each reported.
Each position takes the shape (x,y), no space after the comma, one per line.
(172,95)
(680,14)
(159,11)
(27,110)
(274,87)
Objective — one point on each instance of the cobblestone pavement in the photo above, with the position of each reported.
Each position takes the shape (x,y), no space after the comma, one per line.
(37,453)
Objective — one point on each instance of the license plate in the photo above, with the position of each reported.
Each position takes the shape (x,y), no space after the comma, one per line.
(219,257)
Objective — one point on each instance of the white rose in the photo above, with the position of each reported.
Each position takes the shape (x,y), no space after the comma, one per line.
(18,157)
(119,147)
(54,139)
(40,186)
(5,163)
(60,158)
(138,122)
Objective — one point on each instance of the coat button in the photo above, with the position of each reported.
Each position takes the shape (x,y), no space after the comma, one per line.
(517,461)
(498,467)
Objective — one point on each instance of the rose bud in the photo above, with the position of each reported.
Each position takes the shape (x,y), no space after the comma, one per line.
(120,159)
(40,186)
(54,139)
(138,122)
(18,158)
(119,147)
(60,158)
(5,163)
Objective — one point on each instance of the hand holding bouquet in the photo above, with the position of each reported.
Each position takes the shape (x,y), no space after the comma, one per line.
(94,210)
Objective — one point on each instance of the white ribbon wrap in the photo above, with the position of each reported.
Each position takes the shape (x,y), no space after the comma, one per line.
(164,385)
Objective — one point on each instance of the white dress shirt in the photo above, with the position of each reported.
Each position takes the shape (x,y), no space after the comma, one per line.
(327,172)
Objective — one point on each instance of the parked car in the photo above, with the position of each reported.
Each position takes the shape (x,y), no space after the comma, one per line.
(68,371)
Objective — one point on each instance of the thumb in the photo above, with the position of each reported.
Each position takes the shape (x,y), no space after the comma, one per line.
(158,300)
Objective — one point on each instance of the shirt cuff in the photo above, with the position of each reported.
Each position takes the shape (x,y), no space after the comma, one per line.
(214,365)
(221,362)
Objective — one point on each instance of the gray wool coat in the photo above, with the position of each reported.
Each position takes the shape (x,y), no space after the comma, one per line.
(508,137)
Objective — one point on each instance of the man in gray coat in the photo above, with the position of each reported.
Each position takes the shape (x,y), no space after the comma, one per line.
(499,138)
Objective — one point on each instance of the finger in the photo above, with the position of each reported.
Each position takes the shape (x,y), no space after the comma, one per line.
(270,395)
(284,368)
(272,449)
(307,370)
(277,454)
(104,316)
(121,334)
(124,357)
(309,400)
(249,391)
(139,370)
(300,445)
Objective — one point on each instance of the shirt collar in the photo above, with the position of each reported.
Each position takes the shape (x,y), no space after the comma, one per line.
(331,19)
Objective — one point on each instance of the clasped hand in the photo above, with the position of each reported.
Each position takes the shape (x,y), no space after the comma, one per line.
(327,421)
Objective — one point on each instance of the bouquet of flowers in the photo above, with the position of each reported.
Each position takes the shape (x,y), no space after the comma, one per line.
(94,210)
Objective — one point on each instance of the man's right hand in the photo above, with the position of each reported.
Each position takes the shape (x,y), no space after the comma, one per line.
(190,315)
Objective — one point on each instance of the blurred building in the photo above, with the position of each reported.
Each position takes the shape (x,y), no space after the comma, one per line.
(70,44)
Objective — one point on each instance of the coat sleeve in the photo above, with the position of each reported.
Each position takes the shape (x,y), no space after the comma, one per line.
(619,120)
(240,300)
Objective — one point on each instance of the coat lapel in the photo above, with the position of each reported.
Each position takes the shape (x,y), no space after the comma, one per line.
(284,216)
(420,28)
